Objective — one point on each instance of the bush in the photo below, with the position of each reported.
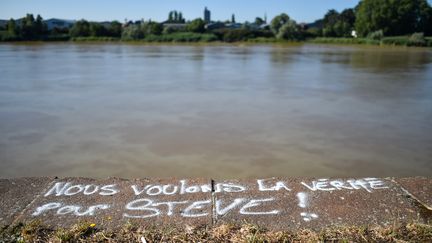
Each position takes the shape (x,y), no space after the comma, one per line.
(417,39)
(290,31)
(237,35)
(6,36)
(181,37)
(325,40)
(428,41)
(395,41)
(95,38)
(263,40)
(169,30)
(197,26)
(132,32)
(313,32)
(154,28)
(376,35)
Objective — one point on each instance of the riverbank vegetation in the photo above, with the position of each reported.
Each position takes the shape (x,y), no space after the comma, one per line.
(416,39)
(373,22)
(90,232)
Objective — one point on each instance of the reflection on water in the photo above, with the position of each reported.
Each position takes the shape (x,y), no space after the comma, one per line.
(214,111)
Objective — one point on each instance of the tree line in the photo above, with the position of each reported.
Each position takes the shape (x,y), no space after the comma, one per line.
(372,19)
(30,28)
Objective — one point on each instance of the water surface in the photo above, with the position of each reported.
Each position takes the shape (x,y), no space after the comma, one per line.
(214,111)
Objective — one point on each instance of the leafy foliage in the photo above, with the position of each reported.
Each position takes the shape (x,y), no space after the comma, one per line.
(417,39)
(80,28)
(277,22)
(132,32)
(290,31)
(376,35)
(375,21)
(259,21)
(395,17)
(175,17)
(338,24)
(181,37)
(196,26)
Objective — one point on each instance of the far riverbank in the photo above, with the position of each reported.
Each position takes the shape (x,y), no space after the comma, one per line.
(206,39)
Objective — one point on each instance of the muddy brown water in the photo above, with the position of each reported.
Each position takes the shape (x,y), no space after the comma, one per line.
(99,110)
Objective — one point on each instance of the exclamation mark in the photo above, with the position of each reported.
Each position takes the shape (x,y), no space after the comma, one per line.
(303,203)
(302,197)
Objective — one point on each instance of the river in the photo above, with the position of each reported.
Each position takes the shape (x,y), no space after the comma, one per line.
(219,111)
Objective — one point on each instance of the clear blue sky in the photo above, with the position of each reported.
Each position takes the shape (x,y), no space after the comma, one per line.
(99,10)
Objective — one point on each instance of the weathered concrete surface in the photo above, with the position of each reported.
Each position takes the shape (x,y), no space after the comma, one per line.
(321,203)
(17,194)
(276,203)
(113,202)
(420,188)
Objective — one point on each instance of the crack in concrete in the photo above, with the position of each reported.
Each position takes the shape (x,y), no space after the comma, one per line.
(424,210)
(42,192)
(213,202)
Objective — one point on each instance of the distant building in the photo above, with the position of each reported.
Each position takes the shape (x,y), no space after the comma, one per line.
(215,26)
(234,26)
(58,23)
(3,23)
(207,15)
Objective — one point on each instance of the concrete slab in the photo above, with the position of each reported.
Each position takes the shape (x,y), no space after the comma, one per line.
(17,194)
(419,188)
(279,203)
(275,203)
(110,203)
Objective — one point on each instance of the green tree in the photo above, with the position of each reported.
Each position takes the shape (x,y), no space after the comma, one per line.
(80,28)
(40,26)
(97,30)
(289,31)
(394,17)
(259,21)
(337,24)
(115,29)
(425,22)
(348,16)
(170,17)
(28,27)
(196,25)
(132,32)
(180,18)
(155,28)
(329,22)
(12,27)
(175,17)
(277,22)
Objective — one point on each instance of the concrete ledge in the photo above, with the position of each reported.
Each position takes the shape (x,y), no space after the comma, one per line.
(276,203)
